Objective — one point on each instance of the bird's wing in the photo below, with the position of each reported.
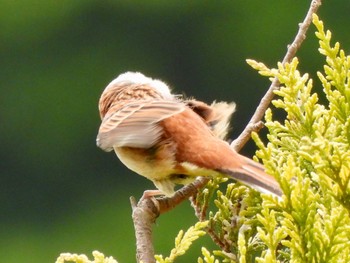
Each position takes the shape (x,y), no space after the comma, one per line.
(136,124)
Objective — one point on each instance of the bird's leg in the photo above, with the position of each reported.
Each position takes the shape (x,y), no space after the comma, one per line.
(151,193)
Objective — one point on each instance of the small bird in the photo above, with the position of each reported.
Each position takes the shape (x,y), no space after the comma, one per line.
(170,140)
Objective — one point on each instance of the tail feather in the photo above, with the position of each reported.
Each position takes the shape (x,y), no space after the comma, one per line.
(252,173)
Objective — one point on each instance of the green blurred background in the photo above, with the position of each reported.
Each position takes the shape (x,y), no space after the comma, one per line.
(58,191)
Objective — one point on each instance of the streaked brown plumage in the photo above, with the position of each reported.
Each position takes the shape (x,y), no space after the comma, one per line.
(171,141)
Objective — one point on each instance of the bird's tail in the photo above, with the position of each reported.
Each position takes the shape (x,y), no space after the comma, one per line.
(252,173)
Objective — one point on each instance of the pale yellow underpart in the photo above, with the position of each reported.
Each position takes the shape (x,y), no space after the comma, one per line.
(194,170)
(139,163)
(160,173)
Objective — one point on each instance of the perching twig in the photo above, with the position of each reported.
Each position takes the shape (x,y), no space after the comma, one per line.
(265,101)
(147,210)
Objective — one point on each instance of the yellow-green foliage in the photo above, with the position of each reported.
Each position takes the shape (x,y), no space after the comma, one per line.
(98,258)
(234,223)
(309,153)
(183,242)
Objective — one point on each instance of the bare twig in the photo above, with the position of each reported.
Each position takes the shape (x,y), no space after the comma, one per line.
(219,241)
(265,101)
(147,210)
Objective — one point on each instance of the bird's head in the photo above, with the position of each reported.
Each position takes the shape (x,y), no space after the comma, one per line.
(132,86)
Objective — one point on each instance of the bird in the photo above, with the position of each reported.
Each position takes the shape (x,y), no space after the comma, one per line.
(171,140)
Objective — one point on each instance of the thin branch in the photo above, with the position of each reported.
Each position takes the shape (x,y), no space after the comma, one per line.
(265,101)
(219,241)
(146,211)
